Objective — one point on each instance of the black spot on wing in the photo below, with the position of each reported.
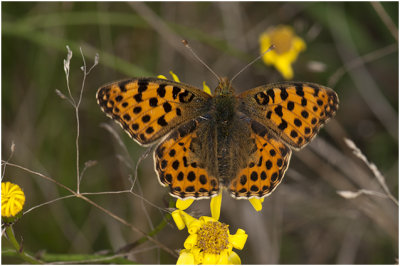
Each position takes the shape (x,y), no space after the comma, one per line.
(175,92)
(161,90)
(167,107)
(153,101)
(142,85)
(284,94)
(161,121)
(283,125)
(299,89)
(138,97)
(278,110)
(271,93)
(290,105)
(122,84)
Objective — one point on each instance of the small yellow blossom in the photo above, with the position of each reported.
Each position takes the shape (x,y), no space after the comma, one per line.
(183,204)
(287,48)
(206,88)
(209,241)
(257,203)
(176,78)
(12,199)
(173,75)
(215,206)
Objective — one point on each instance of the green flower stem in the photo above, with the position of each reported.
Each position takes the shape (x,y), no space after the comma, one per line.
(21,253)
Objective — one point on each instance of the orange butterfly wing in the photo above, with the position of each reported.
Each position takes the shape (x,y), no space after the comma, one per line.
(294,111)
(266,167)
(149,108)
(179,168)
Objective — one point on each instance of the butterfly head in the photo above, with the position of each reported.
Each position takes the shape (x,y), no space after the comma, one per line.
(224,87)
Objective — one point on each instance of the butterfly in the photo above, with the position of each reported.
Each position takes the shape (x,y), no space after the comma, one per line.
(208,142)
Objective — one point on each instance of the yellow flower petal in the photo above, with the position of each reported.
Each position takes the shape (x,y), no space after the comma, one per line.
(257,203)
(299,44)
(183,204)
(187,219)
(265,42)
(194,226)
(283,66)
(198,255)
(215,206)
(174,76)
(234,258)
(210,258)
(206,88)
(190,242)
(185,258)
(206,219)
(176,215)
(239,239)
(161,77)
(223,258)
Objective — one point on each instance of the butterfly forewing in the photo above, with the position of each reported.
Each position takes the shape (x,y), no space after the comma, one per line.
(149,108)
(294,111)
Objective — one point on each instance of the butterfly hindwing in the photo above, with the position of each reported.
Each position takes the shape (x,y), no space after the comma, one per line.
(266,166)
(295,111)
(149,108)
(179,168)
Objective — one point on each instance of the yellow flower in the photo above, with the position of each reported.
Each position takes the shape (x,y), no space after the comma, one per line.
(12,199)
(209,241)
(287,48)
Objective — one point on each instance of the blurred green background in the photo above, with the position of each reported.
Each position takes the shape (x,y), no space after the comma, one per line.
(350,47)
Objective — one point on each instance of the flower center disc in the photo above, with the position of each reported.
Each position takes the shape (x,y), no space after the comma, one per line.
(213,237)
(282,37)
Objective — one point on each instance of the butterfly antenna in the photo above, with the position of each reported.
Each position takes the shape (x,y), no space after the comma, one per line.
(186,43)
(252,62)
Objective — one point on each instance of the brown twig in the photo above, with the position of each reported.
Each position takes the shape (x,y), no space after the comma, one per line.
(386,19)
(377,54)
(80,195)
(378,175)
